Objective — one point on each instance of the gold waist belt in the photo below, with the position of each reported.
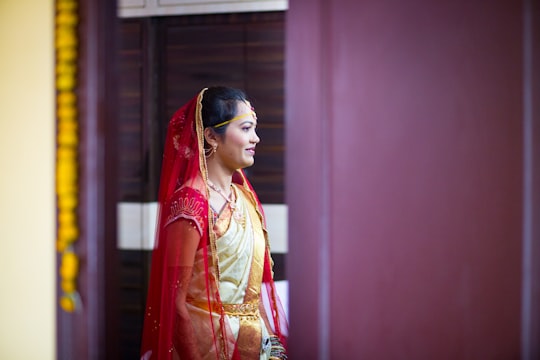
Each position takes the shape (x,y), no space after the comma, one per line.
(248,311)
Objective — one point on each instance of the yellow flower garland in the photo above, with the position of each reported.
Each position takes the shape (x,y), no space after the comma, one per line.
(67,150)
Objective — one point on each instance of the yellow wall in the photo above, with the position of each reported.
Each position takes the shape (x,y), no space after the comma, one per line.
(27,256)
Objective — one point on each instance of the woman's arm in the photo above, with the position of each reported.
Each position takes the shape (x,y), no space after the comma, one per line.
(182,242)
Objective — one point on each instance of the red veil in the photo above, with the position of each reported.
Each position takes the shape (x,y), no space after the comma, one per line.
(183,196)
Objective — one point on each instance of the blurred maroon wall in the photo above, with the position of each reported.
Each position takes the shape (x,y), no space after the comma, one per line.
(404,178)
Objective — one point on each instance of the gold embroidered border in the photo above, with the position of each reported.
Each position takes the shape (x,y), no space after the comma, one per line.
(250,334)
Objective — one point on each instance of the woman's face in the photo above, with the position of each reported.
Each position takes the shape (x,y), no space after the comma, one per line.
(236,148)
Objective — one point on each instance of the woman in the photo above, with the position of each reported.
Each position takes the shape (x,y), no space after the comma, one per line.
(211,293)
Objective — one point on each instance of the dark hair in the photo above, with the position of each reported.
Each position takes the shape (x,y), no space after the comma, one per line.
(220,104)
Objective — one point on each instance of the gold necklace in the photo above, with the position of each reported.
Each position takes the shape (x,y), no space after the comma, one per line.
(222,193)
(237,215)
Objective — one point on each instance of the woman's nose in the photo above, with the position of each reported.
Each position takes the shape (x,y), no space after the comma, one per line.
(255,138)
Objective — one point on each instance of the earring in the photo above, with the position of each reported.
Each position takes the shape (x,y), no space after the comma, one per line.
(209,152)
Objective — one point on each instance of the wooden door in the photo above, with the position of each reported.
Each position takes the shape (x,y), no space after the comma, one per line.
(405,189)
(164,62)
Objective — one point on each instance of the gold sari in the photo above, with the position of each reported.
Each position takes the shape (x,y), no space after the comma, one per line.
(241,246)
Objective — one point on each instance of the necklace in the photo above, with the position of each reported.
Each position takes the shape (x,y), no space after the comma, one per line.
(228,199)
(237,215)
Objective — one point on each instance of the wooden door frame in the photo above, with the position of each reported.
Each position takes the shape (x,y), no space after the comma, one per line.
(530,321)
(92,331)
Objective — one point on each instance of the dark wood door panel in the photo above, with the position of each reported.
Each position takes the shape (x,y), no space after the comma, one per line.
(163,63)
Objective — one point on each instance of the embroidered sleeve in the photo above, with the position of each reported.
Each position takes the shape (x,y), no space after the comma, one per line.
(188,204)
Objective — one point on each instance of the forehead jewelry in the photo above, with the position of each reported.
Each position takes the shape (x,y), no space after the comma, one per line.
(238,117)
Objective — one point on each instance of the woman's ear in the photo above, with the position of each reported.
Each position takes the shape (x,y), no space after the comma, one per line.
(211,137)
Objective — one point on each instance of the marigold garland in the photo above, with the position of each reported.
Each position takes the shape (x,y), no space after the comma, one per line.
(66,42)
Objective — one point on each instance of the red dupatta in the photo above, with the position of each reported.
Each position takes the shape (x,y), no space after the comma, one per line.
(183,185)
